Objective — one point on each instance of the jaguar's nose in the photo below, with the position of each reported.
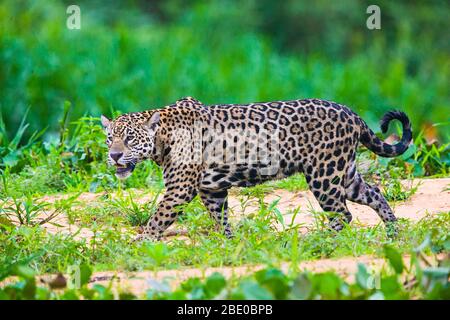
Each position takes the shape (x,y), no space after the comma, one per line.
(116,156)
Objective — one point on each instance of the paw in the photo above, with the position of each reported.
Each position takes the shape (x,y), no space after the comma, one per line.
(145,237)
(336,225)
(391,230)
(228,234)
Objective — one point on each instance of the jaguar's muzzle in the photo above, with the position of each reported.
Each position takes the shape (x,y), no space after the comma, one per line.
(123,172)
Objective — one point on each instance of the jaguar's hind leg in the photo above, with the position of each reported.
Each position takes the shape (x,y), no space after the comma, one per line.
(217,204)
(359,191)
(331,196)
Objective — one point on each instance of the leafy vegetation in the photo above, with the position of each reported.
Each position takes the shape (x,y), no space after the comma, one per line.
(61,205)
(257,238)
(130,57)
(398,281)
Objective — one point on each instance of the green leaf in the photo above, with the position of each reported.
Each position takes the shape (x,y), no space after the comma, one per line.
(103,292)
(191,284)
(178,295)
(70,295)
(157,252)
(4,221)
(18,136)
(215,283)
(302,287)
(24,272)
(94,186)
(274,280)
(437,272)
(409,152)
(328,285)
(11,159)
(377,296)
(395,259)
(195,288)
(127,296)
(447,244)
(425,243)
(419,171)
(85,274)
(362,276)
(42,293)
(390,287)
(439,291)
(253,291)
(29,290)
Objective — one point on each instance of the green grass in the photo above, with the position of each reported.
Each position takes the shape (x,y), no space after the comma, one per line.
(271,283)
(114,220)
(55,83)
(294,183)
(393,190)
(397,281)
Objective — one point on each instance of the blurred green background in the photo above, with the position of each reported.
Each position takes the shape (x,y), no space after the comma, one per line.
(136,55)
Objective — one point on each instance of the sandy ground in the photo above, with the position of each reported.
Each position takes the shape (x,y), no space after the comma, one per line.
(432,197)
(140,282)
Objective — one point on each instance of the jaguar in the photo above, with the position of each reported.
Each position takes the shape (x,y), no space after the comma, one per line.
(206,150)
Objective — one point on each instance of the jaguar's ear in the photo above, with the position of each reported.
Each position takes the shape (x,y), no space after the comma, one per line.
(188,101)
(105,122)
(152,123)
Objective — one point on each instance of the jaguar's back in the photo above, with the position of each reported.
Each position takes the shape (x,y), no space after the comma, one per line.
(285,136)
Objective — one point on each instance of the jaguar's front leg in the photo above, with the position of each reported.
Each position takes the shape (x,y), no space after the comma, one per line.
(180,189)
(166,213)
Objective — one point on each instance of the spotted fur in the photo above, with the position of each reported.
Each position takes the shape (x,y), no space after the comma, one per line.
(316,137)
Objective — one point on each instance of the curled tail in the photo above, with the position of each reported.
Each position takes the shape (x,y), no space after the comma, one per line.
(373,143)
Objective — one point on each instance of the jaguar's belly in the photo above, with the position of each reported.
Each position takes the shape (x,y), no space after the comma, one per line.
(224,177)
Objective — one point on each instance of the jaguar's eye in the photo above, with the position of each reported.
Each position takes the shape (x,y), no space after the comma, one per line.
(128,139)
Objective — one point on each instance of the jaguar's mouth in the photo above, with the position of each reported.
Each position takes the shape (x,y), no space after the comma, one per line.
(124,171)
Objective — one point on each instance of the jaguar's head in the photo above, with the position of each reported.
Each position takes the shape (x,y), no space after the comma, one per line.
(130,139)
